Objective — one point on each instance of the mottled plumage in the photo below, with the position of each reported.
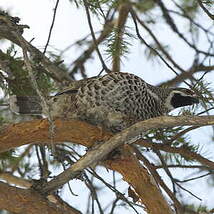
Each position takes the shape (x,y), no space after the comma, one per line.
(117,100)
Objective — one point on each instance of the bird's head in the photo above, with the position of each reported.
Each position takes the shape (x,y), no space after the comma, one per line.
(179,97)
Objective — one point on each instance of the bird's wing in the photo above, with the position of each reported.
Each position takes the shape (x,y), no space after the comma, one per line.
(74,87)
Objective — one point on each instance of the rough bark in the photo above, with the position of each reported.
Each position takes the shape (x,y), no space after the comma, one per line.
(72,131)
(26,201)
(37,131)
(141,181)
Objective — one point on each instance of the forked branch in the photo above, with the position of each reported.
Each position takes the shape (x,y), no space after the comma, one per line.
(72,131)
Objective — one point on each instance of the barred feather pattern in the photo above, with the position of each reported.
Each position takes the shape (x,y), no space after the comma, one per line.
(114,101)
(117,100)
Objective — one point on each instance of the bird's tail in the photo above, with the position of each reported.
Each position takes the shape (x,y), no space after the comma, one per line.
(25,105)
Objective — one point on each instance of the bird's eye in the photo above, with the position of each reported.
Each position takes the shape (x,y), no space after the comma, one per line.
(189,92)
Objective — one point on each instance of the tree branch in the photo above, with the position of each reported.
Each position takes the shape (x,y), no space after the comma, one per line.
(159,180)
(12,179)
(93,36)
(37,131)
(28,201)
(81,60)
(142,182)
(120,27)
(98,153)
(72,131)
(11,31)
(205,9)
(187,75)
(179,150)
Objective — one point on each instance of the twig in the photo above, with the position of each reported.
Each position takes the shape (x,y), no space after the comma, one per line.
(182,166)
(11,32)
(156,41)
(186,190)
(113,205)
(205,111)
(165,167)
(174,28)
(185,15)
(195,178)
(39,161)
(174,181)
(187,74)
(45,106)
(79,62)
(157,177)
(180,150)
(120,27)
(93,36)
(94,196)
(205,10)
(170,141)
(119,195)
(44,164)
(51,27)
(134,16)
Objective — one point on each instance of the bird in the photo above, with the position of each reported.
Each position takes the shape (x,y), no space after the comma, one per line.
(113,101)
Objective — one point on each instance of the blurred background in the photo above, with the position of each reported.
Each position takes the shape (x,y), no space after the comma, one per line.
(174,48)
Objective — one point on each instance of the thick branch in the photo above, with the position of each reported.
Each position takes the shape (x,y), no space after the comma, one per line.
(27,201)
(143,183)
(36,131)
(97,154)
(72,131)
(12,179)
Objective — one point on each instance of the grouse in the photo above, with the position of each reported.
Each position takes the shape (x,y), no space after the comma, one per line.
(114,101)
